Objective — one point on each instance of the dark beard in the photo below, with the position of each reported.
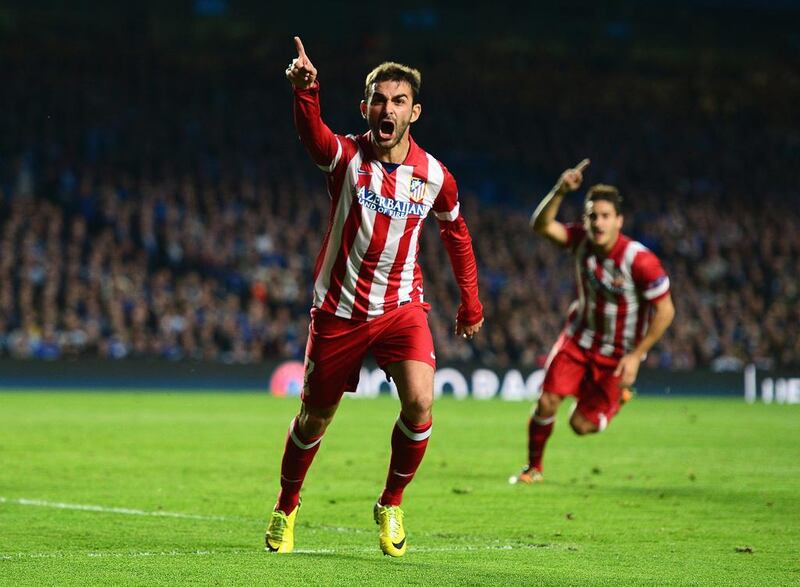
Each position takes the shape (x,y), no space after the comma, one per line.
(400,132)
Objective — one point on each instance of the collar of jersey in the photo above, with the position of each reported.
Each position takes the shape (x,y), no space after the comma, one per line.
(414,157)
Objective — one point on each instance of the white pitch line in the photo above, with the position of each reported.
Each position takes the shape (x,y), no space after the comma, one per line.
(107,510)
(254,552)
(180,515)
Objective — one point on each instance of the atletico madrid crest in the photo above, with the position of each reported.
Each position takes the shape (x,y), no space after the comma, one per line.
(418,187)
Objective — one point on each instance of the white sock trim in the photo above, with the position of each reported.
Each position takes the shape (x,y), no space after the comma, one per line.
(603,423)
(415,436)
(544,421)
(297,441)
(401,474)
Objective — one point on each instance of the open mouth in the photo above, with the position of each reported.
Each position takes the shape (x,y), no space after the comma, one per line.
(386,129)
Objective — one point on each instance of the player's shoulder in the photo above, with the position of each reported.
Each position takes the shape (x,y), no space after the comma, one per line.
(640,260)
(353,144)
(576,236)
(361,142)
(434,173)
(636,251)
(425,162)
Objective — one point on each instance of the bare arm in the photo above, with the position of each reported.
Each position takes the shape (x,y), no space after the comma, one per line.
(628,367)
(662,318)
(543,221)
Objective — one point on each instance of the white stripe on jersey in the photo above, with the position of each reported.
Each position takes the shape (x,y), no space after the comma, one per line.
(629,329)
(435,182)
(407,272)
(332,166)
(449,216)
(591,303)
(609,310)
(334,244)
(397,227)
(580,303)
(359,248)
(653,293)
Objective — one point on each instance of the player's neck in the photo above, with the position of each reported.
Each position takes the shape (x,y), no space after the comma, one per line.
(396,154)
(605,250)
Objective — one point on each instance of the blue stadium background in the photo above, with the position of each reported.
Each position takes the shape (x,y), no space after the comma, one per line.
(159,216)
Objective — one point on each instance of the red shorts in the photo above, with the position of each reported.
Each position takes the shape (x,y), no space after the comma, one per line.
(572,370)
(337,346)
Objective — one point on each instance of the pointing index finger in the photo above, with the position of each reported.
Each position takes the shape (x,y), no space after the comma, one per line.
(301,52)
(579,167)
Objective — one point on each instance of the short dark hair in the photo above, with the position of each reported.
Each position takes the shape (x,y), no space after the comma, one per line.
(395,72)
(605,192)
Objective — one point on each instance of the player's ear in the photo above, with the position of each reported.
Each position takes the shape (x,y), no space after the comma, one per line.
(416,110)
(364,109)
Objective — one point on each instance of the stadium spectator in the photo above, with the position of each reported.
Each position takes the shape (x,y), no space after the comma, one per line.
(131,187)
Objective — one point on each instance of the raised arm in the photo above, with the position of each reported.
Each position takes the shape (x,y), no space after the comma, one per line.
(323,146)
(543,220)
(301,73)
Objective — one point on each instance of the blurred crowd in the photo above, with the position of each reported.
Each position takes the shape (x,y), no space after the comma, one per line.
(157,209)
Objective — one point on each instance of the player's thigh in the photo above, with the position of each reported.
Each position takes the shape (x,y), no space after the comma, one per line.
(565,371)
(548,404)
(334,354)
(599,398)
(403,347)
(403,335)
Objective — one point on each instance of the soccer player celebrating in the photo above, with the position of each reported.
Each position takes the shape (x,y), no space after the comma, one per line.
(368,284)
(623,307)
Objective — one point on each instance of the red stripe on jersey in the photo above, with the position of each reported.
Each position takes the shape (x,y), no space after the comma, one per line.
(599,312)
(335,184)
(619,331)
(338,271)
(585,292)
(396,273)
(377,243)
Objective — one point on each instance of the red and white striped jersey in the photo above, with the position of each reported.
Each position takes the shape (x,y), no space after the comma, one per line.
(615,293)
(368,262)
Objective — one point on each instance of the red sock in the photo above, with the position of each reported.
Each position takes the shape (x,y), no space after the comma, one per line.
(409,442)
(297,457)
(539,430)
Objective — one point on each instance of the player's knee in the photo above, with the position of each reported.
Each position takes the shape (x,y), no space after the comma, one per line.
(548,405)
(418,410)
(314,422)
(581,425)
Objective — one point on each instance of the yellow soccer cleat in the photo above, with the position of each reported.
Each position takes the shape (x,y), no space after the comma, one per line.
(280,532)
(392,536)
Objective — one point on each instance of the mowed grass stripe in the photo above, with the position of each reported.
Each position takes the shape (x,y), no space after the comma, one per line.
(665,497)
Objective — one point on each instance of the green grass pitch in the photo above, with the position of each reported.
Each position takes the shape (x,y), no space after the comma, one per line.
(174,489)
